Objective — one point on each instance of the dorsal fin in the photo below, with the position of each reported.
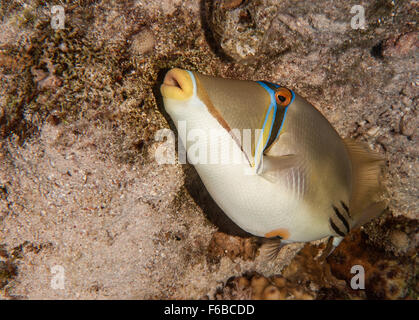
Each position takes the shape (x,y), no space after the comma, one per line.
(365,203)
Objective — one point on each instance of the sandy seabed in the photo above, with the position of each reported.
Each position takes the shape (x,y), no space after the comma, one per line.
(87,213)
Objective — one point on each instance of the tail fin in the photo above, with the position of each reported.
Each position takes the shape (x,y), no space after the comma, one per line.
(365,203)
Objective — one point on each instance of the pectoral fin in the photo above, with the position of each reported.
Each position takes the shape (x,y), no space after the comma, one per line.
(272,168)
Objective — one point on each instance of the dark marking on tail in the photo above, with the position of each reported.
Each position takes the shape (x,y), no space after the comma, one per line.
(335,228)
(344,206)
(342,218)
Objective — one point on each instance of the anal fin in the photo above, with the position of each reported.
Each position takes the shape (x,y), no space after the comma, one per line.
(271,247)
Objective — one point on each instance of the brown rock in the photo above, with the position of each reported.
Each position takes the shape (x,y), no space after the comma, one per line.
(258,285)
(7,61)
(385,276)
(401,45)
(239,33)
(314,270)
(304,278)
(278,288)
(400,240)
(272,292)
(50,82)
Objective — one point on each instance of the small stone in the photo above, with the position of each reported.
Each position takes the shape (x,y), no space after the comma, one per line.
(243,282)
(280,281)
(408,125)
(38,74)
(400,240)
(63,47)
(231,4)
(53,119)
(372,132)
(407,101)
(142,42)
(272,293)
(51,82)
(258,284)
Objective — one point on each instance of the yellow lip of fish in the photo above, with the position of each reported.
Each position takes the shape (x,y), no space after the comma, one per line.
(178,85)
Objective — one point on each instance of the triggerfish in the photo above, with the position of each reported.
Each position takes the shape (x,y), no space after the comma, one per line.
(300,181)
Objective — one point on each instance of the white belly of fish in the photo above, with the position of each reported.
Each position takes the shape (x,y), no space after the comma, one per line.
(255,204)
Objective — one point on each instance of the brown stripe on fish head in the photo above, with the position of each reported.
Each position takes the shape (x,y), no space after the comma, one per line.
(203,96)
(236,104)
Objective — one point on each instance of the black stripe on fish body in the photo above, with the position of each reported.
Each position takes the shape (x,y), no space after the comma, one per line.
(345,207)
(279,117)
(335,228)
(342,218)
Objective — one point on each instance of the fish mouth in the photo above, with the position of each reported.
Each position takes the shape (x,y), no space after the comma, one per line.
(177,84)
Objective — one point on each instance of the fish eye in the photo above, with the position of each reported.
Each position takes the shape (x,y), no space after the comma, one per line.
(283,97)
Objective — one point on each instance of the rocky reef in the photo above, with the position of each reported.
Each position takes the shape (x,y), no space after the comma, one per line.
(79,111)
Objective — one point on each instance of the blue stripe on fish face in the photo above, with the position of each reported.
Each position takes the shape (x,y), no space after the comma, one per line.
(285,113)
(270,88)
(273,106)
(193,82)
